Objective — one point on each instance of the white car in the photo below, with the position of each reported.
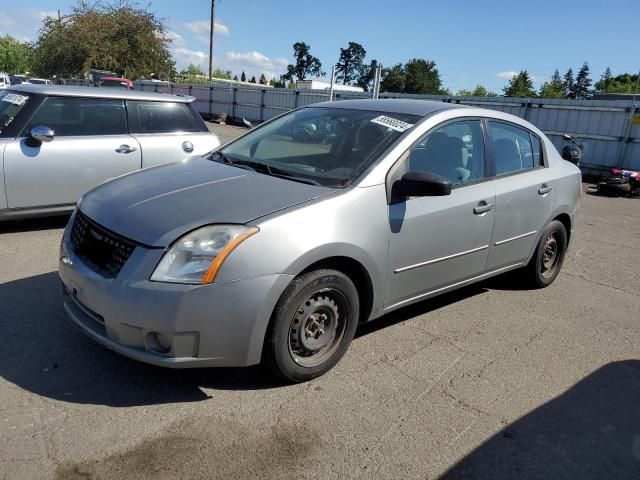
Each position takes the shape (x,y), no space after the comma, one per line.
(5,82)
(40,81)
(57,142)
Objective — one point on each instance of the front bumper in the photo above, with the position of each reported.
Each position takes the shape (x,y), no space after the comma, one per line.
(221,324)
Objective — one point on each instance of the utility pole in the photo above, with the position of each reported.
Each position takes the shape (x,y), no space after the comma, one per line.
(213,19)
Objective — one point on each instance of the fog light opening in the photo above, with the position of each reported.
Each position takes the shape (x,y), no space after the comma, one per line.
(158,343)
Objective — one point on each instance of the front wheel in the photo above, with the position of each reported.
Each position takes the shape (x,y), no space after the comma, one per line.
(312,325)
(547,260)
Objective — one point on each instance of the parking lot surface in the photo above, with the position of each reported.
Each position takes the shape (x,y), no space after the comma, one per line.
(488,382)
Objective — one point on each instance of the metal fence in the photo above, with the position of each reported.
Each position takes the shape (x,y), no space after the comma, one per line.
(609,129)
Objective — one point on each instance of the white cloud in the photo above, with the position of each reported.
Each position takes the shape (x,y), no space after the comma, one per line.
(201,29)
(254,63)
(26,29)
(5,21)
(508,75)
(42,14)
(184,56)
(176,39)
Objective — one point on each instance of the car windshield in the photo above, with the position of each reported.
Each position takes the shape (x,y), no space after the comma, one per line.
(319,145)
(10,105)
(37,81)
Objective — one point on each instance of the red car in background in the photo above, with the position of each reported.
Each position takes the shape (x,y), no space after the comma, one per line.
(117,82)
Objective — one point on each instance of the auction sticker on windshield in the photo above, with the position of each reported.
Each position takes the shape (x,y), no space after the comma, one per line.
(393,123)
(14,98)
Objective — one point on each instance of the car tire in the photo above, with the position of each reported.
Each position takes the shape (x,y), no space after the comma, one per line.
(548,257)
(312,325)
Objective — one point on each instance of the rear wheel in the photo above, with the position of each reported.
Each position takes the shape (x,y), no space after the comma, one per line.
(312,325)
(547,260)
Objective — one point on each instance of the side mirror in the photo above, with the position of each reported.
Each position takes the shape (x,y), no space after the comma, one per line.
(421,184)
(42,134)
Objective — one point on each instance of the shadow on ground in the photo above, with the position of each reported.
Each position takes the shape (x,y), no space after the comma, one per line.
(43,353)
(592,431)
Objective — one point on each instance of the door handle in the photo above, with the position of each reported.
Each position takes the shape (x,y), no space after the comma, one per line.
(544,189)
(125,149)
(483,207)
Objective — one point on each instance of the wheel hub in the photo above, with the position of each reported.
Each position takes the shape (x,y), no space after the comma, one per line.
(549,255)
(315,329)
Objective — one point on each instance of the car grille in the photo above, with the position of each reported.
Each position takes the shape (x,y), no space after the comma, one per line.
(103,251)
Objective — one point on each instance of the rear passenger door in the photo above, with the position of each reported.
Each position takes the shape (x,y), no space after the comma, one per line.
(168,131)
(524,193)
(91,144)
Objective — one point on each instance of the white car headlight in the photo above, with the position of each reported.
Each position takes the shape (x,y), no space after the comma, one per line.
(196,257)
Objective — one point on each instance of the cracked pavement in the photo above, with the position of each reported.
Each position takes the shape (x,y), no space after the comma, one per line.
(486,382)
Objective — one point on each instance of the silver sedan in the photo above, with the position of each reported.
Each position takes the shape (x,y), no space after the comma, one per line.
(275,247)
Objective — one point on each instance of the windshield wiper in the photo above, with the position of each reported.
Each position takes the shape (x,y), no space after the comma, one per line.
(308,181)
(273,171)
(227,161)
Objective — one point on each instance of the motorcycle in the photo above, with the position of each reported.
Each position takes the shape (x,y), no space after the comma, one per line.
(572,152)
(621,183)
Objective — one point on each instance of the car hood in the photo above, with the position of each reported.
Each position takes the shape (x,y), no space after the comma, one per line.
(157,205)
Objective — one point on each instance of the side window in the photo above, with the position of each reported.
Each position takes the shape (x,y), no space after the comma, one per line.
(160,117)
(537,151)
(454,151)
(69,117)
(513,148)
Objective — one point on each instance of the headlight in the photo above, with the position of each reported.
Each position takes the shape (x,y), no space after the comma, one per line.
(197,257)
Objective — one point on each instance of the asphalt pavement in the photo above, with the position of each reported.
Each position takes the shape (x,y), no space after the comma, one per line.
(490,382)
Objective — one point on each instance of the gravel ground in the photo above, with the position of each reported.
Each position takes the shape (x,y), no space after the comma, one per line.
(487,382)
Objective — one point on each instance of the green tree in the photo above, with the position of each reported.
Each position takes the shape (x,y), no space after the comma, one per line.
(367,75)
(193,71)
(117,36)
(253,79)
(219,73)
(305,64)
(235,78)
(15,56)
(263,80)
(421,76)
(520,85)
(554,88)
(605,80)
(568,83)
(582,86)
(479,91)
(350,63)
(625,83)
(277,83)
(243,77)
(393,79)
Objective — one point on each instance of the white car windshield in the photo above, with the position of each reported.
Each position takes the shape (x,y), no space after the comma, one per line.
(320,145)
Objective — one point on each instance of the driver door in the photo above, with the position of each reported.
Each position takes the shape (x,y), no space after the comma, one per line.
(437,242)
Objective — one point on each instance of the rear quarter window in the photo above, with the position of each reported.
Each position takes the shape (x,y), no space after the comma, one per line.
(163,117)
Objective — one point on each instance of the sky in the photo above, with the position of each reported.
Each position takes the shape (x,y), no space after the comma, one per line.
(472,42)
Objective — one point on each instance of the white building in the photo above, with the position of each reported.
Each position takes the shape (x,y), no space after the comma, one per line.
(318,85)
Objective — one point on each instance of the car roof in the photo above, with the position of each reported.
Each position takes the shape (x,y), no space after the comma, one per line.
(405,106)
(92,92)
